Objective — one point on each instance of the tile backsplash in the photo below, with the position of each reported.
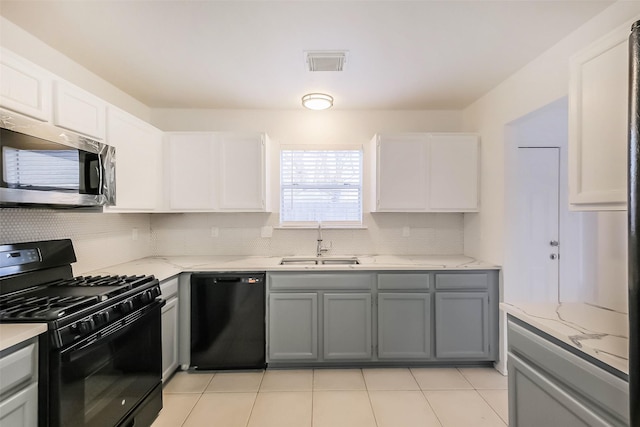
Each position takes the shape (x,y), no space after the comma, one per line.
(99,239)
(104,239)
(241,234)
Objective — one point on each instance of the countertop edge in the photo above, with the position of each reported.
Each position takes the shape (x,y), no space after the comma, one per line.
(16,333)
(575,334)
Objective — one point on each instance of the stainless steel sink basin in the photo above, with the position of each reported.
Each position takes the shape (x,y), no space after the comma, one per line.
(320,261)
(298,261)
(340,261)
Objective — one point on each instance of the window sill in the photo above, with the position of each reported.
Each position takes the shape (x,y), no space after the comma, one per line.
(327,227)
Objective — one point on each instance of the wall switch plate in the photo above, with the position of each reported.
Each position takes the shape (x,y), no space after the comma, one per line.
(406,231)
(266,231)
(215,232)
(134,233)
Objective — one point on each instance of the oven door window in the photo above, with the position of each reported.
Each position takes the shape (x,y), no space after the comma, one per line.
(101,382)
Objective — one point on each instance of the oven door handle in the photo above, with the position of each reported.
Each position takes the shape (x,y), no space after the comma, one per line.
(114,330)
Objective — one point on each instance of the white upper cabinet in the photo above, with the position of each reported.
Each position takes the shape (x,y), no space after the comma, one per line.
(190,171)
(138,161)
(401,176)
(453,172)
(78,110)
(24,87)
(242,176)
(208,171)
(426,173)
(598,124)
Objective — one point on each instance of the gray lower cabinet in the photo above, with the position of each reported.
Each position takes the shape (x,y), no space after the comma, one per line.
(19,385)
(385,317)
(404,325)
(551,386)
(346,326)
(293,326)
(462,325)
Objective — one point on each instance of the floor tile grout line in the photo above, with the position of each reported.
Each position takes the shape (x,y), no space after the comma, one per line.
(425,398)
(255,399)
(432,408)
(492,408)
(313,384)
(191,410)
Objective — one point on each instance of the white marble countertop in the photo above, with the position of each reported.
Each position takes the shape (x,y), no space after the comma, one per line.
(596,331)
(12,334)
(165,267)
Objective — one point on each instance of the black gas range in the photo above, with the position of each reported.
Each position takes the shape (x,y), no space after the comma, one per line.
(100,361)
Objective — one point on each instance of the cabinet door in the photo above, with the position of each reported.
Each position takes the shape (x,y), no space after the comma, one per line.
(21,408)
(534,400)
(404,325)
(25,87)
(190,161)
(598,124)
(78,110)
(293,326)
(169,338)
(462,325)
(138,150)
(401,176)
(242,172)
(347,326)
(453,172)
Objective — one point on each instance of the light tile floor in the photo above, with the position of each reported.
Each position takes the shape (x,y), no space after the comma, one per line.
(394,397)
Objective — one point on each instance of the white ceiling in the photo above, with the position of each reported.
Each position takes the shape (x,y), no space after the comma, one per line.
(403,55)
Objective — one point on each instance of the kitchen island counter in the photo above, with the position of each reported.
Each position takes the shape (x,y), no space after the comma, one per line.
(587,329)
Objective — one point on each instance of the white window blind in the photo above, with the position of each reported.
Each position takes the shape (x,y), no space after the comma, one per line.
(41,168)
(321,186)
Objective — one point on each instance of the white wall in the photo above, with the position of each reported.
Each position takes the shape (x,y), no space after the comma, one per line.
(541,82)
(497,116)
(240,234)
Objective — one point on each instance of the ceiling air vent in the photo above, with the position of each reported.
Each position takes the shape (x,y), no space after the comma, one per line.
(326,61)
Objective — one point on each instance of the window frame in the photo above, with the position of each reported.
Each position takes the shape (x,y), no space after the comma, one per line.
(325,224)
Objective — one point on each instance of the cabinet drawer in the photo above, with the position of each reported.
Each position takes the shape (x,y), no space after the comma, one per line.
(17,368)
(313,281)
(576,374)
(20,409)
(462,281)
(169,287)
(403,281)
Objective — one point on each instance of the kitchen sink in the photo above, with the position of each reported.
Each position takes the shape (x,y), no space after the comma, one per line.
(320,261)
(339,261)
(299,261)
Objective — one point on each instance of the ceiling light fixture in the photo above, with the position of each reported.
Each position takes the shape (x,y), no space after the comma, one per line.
(317,101)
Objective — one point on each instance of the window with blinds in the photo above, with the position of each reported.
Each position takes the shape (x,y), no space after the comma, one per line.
(321,186)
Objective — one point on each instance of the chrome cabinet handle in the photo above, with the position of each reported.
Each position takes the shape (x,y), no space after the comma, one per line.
(554,243)
(553,256)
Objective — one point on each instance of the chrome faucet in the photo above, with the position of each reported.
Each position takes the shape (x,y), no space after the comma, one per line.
(320,248)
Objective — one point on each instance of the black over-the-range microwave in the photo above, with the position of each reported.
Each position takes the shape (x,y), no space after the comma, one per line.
(44,165)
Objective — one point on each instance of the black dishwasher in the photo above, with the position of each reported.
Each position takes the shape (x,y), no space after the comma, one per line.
(227,321)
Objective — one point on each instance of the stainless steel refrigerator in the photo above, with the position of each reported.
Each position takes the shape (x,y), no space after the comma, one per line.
(634,224)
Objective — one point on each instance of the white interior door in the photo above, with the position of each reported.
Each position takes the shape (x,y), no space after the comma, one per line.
(537,221)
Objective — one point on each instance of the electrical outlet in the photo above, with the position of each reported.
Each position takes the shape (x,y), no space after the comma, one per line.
(406,231)
(134,234)
(266,231)
(215,232)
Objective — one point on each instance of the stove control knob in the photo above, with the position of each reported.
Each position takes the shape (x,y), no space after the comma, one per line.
(102,318)
(85,326)
(146,297)
(126,306)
